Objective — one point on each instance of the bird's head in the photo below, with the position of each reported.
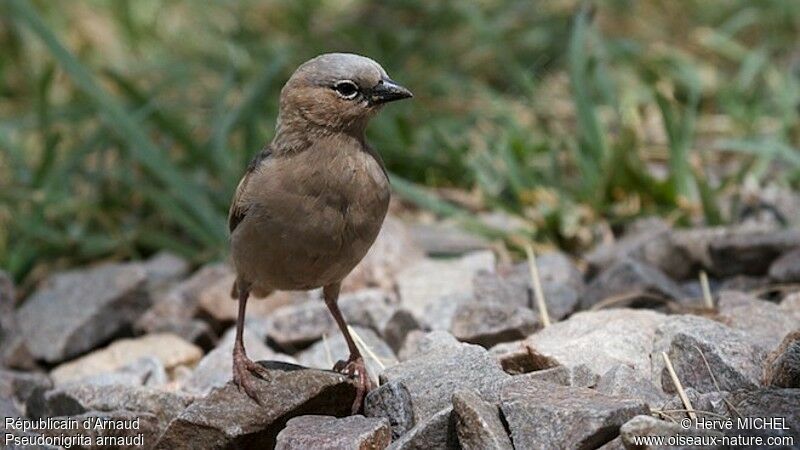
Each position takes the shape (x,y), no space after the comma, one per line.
(337,91)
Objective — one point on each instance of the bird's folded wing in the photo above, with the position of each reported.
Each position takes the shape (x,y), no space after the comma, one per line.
(238,207)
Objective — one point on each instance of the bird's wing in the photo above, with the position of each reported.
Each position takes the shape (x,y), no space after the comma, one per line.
(238,207)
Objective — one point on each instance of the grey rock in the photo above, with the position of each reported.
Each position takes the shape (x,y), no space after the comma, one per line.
(431,286)
(420,342)
(750,253)
(765,322)
(326,432)
(196,331)
(643,426)
(21,386)
(706,355)
(562,285)
(786,269)
(578,376)
(145,371)
(478,423)
(396,328)
(294,326)
(599,340)
(623,381)
(95,429)
(519,357)
(712,404)
(91,306)
(743,283)
(782,366)
(437,431)
(79,399)
(164,268)
(777,404)
(228,418)
(325,353)
(216,367)
(544,415)
(490,323)
(614,444)
(426,383)
(630,277)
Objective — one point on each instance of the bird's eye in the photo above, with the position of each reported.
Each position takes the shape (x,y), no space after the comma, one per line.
(346,88)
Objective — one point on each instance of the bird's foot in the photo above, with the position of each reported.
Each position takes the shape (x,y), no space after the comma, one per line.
(245,374)
(354,367)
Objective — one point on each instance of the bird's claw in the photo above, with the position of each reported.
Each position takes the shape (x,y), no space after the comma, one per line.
(355,368)
(245,371)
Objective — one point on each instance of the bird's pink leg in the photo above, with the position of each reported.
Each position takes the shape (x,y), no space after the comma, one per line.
(244,369)
(354,366)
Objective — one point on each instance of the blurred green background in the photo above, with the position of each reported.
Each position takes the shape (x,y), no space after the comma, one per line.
(125,124)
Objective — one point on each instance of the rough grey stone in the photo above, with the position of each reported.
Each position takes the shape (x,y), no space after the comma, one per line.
(478,423)
(21,386)
(326,432)
(325,353)
(397,327)
(706,355)
(196,331)
(765,322)
(599,340)
(92,306)
(490,323)
(519,357)
(767,404)
(544,415)
(630,277)
(228,418)
(782,366)
(447,240)
(294,326)
(623,381)
(391,401)
(562,285)
(79,399)
(430,285)
(419,342)
(164,268)
(643,426)
(216,367)
(750,253)
(578,376)
(786,269)
(713,404)
(437,431)
(145,371)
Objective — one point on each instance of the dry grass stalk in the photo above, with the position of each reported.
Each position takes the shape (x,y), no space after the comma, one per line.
(537,286)
(679,386)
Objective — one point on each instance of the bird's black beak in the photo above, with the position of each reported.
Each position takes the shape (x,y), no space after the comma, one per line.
(388,91)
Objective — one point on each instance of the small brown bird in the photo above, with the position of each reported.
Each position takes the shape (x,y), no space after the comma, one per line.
(312,202)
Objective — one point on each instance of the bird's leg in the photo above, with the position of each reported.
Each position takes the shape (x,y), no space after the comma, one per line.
(354,366)
(244,369)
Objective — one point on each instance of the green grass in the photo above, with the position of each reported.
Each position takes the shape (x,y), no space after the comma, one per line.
(125,124)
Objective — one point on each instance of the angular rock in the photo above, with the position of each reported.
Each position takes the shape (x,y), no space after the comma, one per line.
(765,322)
(599,340)
(425,384)
(430,284)
(630,277)
(562,285)
(782,366)
(786,269)
(644,426)
(78,399)
(544,415)
(216,367)
(228,418)
(196,331)
(750,253)
(171,350)
(519,357)
(76,311)
(325,353)
(578,376)
(393,249)
(215,301)
(706,355)
(437,431)
(326,432)
(164,268)
(396,328)
(713,403)
(490,323)
(296,325)
(478,423)
(622,381)
(791,304)
(782,405)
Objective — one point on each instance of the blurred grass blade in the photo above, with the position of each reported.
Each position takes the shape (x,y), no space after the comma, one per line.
(144,151)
